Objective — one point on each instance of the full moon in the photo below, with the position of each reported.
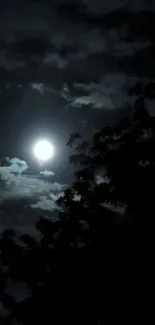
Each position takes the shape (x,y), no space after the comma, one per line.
(43,150)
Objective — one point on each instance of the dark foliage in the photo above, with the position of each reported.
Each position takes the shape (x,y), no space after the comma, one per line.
(72,138)
(87,268)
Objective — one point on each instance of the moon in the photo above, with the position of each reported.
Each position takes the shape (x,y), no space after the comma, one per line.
(43,150)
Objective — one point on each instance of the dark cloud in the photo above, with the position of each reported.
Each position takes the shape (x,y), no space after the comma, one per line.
(29,47)
(107,6)
(104,7)
(54,41)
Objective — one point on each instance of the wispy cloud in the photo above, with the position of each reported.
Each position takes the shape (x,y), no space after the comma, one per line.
(23,185)
(24,198)
(47,173)
(108,93)
(47,204)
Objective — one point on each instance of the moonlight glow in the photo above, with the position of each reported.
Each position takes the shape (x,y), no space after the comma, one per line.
(43,150)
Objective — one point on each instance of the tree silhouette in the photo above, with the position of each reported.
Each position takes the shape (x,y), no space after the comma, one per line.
(72,138)
(86,268)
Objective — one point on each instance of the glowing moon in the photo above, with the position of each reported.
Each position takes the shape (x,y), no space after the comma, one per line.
(43,150)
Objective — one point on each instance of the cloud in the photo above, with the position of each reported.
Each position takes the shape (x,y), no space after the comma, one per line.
(109,93)
(150,106)
(18,290)
(38,86)
(124,48)
(55,59)
(16,166)
(42,45)
(26,198)
(103,7)
(59,43)
(10,63)
(140,5)
(99,179)
(97,7)
(88,42)
(120,210)
(17,186)
(47,204)
(47,173)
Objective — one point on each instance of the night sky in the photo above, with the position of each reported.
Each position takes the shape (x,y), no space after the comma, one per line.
(65,66)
